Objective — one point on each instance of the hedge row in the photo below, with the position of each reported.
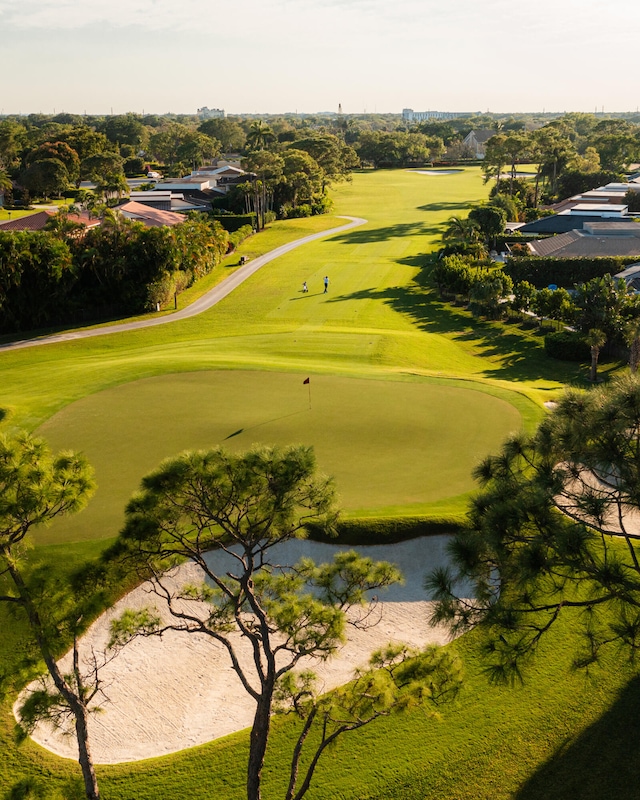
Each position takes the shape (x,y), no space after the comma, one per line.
(233,222)
(564,272)
(386,530)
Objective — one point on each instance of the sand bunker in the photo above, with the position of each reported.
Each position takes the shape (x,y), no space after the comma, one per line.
(167,694)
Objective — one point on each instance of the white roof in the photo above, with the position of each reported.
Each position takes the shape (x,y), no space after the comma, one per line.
(615,186)
(183,183)
(606,209)
(159,195)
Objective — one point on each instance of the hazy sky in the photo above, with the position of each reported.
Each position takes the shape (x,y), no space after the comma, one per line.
(271,56)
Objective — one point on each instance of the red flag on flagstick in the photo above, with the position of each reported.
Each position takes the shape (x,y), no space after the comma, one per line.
(306,380)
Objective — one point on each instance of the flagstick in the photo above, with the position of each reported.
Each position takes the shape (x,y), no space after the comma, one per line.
(309,395)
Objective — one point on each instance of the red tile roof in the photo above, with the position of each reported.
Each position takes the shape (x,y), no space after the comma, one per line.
(149,216)
(34,222)
(37,222)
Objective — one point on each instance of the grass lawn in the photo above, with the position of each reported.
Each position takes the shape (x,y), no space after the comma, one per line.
(394,372)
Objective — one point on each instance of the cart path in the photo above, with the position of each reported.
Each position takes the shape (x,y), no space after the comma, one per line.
(204,303)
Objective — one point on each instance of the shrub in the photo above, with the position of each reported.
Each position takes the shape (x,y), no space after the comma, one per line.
(563,271)
(386,530)
(233,222)
(453,273)
(239,236)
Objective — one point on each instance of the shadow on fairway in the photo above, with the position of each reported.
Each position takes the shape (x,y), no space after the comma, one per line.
(305,295)
(520,357)
(445,206)
(369,235)
(600,763)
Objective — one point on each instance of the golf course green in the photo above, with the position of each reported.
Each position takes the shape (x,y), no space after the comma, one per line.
(393,447)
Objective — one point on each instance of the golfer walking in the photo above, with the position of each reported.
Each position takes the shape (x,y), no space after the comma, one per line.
(326,284)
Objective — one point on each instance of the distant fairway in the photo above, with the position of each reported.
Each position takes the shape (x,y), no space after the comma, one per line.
(393,446)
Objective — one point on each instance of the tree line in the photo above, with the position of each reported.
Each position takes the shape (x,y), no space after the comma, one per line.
(44,156)
(120,267)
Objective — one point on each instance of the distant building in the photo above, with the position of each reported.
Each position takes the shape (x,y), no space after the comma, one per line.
(211,113)
(477,141)
(411,116)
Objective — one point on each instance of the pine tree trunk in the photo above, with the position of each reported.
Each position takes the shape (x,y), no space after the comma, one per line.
(258,744)
(634,355)
(75,702)
(84,752)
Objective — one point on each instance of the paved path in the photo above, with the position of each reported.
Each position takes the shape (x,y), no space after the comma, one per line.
(204,303)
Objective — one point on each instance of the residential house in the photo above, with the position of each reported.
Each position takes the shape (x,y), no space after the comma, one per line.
(575,217)
(170,201)
(222,177)
(477,141)
(38,221)
(149,216)
(596,239)
(631,276)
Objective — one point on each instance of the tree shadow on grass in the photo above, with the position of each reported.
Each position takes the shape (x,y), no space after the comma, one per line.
(603,762)
(445,206)
(38,789)
(520,356)
(369,235)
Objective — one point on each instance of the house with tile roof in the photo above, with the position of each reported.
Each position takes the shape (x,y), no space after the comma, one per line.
(596,239)
(149,216)
(38,221)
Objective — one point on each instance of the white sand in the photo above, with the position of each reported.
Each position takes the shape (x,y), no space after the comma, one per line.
(167,694)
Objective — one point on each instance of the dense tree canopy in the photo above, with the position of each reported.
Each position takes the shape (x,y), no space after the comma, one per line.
(49,277)
(555,531)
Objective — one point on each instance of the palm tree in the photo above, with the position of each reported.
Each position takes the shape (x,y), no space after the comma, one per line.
(259,134)
(113,185)
(464,231)
(595,339)
(6,184)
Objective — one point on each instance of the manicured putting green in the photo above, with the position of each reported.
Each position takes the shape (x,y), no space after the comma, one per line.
(389,444)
